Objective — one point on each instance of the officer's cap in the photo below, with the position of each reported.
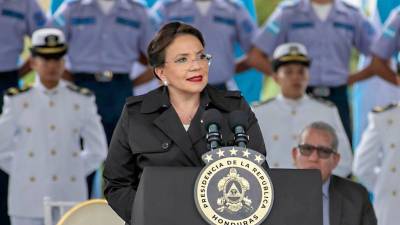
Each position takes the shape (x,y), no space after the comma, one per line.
(48,43)
(290,53)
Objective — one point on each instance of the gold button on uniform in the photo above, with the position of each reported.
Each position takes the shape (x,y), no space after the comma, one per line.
(25,105)
(51,103)
(75,130)
(392,145)
(75,154)
(32,179)
(275,137)
(390,121)
(52,127)
(76,107)
(394,193)
(53,152)
(294,112)
(393,169)
(73,179)
(54,178)
(28,129)
(31,154)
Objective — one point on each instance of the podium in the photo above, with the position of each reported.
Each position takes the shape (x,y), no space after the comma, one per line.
(165,196)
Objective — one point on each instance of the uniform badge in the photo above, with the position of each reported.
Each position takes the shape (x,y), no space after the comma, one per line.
(233,188)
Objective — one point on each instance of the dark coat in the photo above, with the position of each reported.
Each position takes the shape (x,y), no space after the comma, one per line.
(349,203)
(149,133)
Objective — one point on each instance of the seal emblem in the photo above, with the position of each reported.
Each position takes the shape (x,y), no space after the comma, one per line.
(233,188)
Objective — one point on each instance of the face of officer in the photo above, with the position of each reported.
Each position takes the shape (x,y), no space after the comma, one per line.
(50,70)
(315,151)
(185,69)
(292,79)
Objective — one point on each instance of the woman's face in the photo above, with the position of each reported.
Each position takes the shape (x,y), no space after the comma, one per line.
(186,65)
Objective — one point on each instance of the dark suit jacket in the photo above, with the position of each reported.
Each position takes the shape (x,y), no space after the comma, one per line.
(149,133)
(349,203)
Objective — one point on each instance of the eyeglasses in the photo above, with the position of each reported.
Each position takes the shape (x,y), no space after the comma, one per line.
(323,152)
(185,63)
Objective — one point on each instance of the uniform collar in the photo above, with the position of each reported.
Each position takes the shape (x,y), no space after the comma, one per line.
(337,5)
(292,102)
(37,84)
(119,3)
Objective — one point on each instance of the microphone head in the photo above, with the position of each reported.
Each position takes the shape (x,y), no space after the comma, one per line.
(211,116)
(238,118)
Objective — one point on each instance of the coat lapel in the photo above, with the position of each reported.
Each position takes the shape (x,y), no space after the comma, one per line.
(335,203)
(169,123)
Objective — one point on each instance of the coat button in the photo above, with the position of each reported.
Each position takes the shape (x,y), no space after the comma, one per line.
(32,179)
(54,178)
(165,145)
(73,179)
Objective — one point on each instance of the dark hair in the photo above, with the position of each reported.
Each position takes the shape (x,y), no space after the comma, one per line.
(164,37)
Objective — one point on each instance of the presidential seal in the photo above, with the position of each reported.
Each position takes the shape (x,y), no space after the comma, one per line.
(233,188)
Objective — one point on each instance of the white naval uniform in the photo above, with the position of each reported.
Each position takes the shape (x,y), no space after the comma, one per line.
(40,145)
(377,162)
(281,120)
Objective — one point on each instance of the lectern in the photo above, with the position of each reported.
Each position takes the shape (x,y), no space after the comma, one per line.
(165,196)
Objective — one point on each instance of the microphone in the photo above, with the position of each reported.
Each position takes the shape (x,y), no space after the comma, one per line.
(238,121)
(212,120)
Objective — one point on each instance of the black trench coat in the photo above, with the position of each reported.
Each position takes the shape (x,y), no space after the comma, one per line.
(149,133)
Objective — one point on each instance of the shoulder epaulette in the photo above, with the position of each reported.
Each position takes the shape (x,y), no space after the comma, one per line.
(233,94)
(140,2)
(257,104)
(350,6)
(16,91)
(72,1)
(321,100)
(380,109)
(134,99)
(80,90)
(167,3)
(288,3)
(235,3)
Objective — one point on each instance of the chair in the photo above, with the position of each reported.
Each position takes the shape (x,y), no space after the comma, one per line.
(93,212)
(54,210)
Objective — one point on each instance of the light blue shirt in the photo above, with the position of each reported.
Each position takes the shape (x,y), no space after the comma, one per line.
(325,202)
(225,23)
(18,18)
(328,42)
(98,41)
(388,42)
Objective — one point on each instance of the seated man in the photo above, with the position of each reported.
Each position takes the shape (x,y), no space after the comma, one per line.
(283,117)
(41,131)
(344,201)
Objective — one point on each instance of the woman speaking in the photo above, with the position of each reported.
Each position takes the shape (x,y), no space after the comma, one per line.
(163,127)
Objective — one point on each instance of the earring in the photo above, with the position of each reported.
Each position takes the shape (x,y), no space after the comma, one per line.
(165,82)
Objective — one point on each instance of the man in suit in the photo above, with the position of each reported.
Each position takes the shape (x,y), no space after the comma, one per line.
(343,201)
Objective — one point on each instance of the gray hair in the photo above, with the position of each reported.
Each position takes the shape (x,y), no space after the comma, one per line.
(322,126)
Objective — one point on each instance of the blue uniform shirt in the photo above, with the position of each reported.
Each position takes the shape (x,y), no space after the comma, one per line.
(226,22)
(388,41)
(328,42)
(99,42)
(17,19)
